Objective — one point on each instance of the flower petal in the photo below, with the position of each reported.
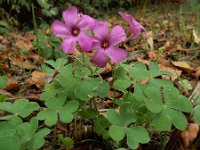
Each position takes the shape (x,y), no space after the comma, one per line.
(126,17)
(116,54)
(86,22)
(70,16)
(59,29)
(68,45)
(117,35)
(86,42)
(100,58)
(101,30)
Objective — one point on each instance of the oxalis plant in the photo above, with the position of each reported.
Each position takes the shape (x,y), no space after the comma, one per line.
(143,102)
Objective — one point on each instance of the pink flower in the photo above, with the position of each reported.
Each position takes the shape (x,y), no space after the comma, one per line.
(134,26)
(73,30)
(106,42)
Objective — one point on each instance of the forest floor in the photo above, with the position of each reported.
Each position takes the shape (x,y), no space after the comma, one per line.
(173,41)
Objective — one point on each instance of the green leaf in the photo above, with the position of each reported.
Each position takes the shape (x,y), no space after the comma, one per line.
(37,140)
(155,71)
(178,119)
(101,124)
(137,135)
(127,115)
(66,141)
(86,88)
(121,84)
(181,103)
(50,117)
(139,71)
(114,118)
(185,84)
(103,89)
(162,122)
(21,107)
(65,113)
(3,81)
(9,142)
(196,114)
(154,100)
(117,133)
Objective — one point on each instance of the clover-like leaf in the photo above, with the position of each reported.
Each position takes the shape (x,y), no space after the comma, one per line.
(127,115)
(100,126)
(117,133)
(49,116)
(86,88)
(65,113)
(137,135)
(196,114)
(121,84)
(139,71)
(155,71)
(21,107)
(114,117)
(154,100)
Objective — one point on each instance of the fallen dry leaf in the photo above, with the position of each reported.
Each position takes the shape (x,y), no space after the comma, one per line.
(197,73)
(190,134)
(12,84)
(24,45)
(196,38)
(183,66)
(150,40)
(38,78)
(22,62)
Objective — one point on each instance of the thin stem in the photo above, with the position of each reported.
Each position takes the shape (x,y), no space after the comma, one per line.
(54,138)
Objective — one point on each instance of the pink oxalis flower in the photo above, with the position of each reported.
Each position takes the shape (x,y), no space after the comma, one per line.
(73,30)
(134,26)
(105,44)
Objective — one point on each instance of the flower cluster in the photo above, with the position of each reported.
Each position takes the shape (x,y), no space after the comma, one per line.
(75,30)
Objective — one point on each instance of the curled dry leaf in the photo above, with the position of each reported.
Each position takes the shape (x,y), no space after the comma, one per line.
(184,66)
(150,40)
(38,78)
(196,38)
(12,84)
(190,134)
(22,62)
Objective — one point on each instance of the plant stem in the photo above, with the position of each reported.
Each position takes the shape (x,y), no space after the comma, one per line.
(54,138)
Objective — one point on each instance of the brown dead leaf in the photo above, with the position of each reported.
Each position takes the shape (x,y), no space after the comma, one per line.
(24,45)
(150,40)
(12,84)
(183,66)
(152,55)
(22,62)
(196,38)
(190,134)
(197,73)
(6,93)
(38,78)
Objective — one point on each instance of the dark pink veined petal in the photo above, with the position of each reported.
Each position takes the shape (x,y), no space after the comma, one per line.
(116,54)
(68,45)
(101,30)
(70,16)
(59,29)
(100,58)
(117,35)
(86,42)
(86,22)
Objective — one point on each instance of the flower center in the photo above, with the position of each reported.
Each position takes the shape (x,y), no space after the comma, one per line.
(75,31)
(105,44)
